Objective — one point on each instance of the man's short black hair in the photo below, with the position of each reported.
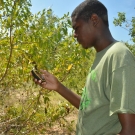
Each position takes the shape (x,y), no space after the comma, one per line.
(87,8)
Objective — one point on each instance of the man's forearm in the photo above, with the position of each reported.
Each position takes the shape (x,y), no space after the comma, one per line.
(128,123)
(125,133)
(73,98)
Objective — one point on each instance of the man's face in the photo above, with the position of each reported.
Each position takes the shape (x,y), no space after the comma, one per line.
(84,32)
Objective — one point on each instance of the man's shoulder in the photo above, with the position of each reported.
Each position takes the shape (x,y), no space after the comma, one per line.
(118,48)
(119,52)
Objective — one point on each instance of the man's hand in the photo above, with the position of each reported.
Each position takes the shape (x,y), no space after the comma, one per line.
(128,124)
(51,82)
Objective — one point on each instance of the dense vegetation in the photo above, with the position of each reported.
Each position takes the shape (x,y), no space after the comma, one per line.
(44,40)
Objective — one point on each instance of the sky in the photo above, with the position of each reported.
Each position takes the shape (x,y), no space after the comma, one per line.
(61,7)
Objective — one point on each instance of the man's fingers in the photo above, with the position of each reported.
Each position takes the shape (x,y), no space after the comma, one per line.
(43,76)
(44,72)
(42,84)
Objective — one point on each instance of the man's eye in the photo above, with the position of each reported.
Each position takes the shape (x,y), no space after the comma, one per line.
(76,28)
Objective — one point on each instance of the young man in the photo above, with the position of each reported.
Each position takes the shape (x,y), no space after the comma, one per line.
(107,106)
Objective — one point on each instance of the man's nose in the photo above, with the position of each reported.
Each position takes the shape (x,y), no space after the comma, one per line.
(75,35)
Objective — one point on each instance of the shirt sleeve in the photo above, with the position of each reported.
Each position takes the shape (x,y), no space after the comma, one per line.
(122,94)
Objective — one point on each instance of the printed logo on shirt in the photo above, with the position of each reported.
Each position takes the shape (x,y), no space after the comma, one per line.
(93,75)
(85,100)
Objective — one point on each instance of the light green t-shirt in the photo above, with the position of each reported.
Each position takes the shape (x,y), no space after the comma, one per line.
(109,89)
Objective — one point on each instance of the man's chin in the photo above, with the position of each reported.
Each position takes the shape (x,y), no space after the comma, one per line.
(84,46)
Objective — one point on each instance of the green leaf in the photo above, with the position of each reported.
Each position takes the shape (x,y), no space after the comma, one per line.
(46,99)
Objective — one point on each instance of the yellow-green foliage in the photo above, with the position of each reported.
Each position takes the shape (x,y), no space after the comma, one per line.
(40,39)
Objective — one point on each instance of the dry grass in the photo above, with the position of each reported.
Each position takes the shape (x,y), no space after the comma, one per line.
(17,97)
(70,128)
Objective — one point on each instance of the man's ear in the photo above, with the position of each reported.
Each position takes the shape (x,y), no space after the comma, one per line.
(94,19)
